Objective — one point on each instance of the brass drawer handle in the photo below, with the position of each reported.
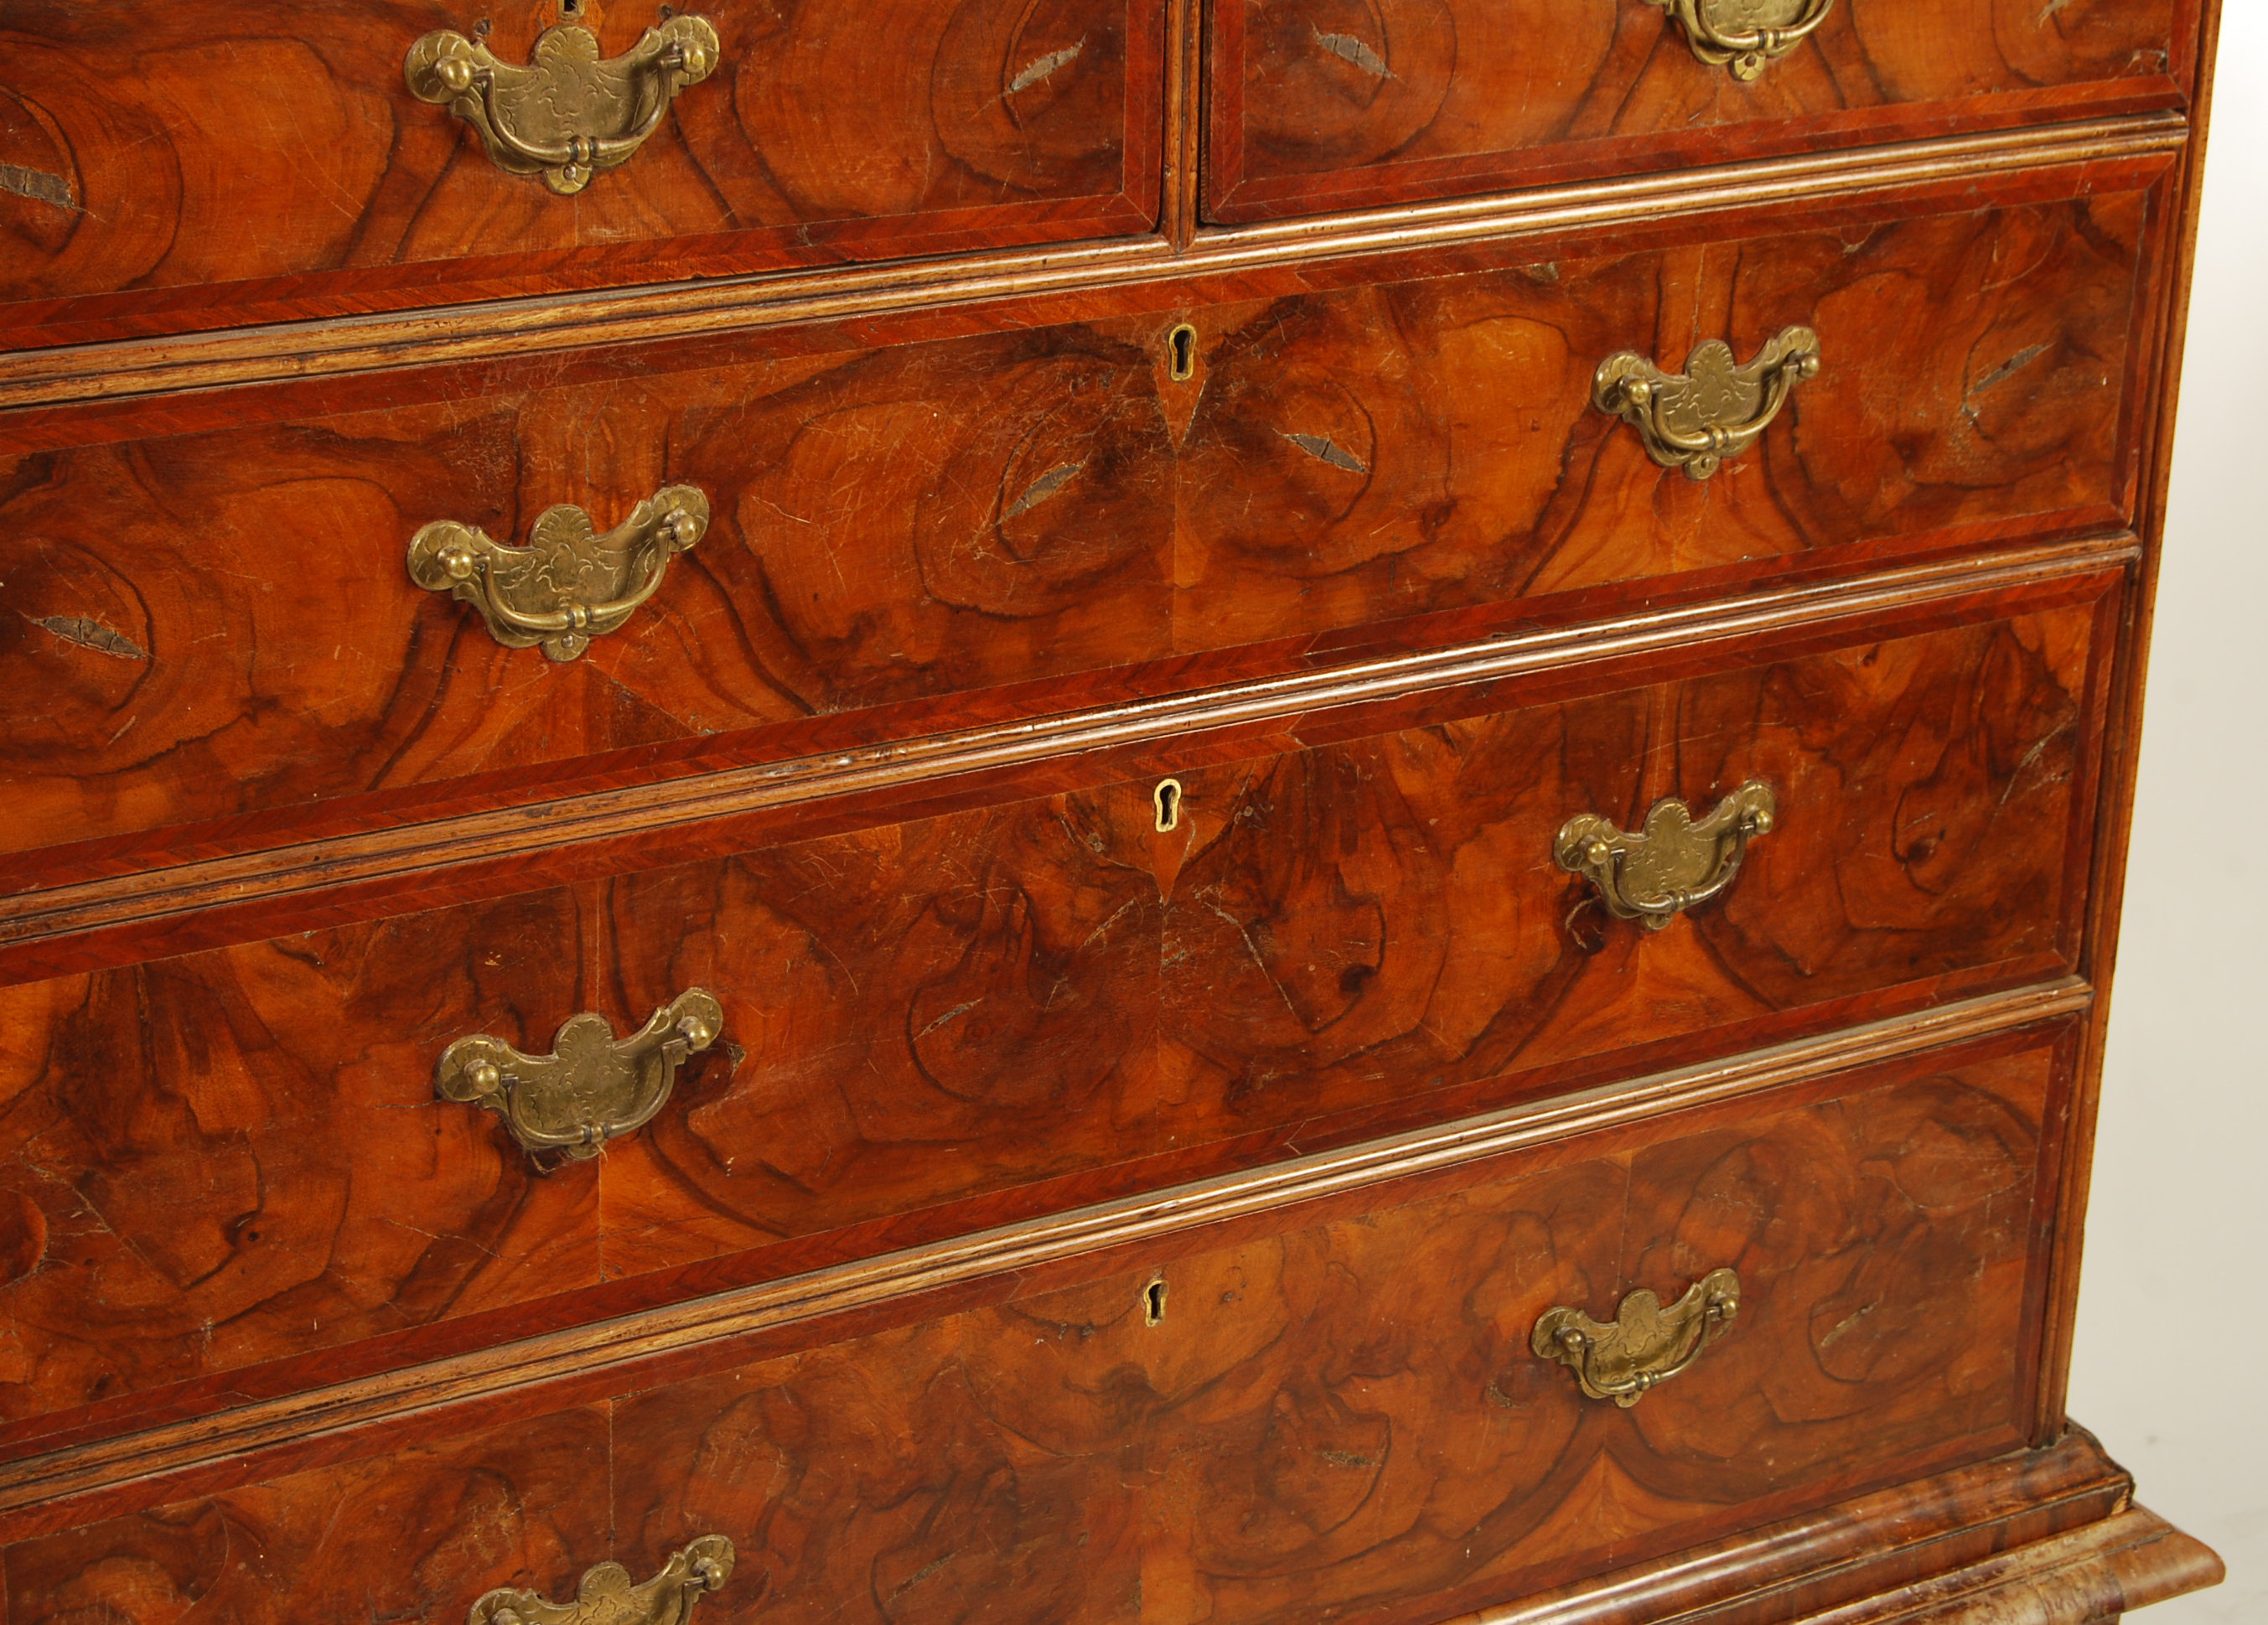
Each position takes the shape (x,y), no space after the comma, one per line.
(567,115)
(570,584)
(1676,863)
(1646,1345)
(605,1597)
(593,1087)
(1742,41)
(1714,409)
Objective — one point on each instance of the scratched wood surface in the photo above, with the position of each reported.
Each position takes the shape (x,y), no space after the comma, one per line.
(928,519)
(166,164)
(213,1159)
(211,624)
(376,1539)
(1055,986)
(1334,1415)
(1336,104)
(236,1156)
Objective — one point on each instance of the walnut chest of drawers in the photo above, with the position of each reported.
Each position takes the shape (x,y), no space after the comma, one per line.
(1061,811)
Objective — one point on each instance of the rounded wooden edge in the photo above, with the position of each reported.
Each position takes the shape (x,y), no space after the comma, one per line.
(2128,1561)
(2170,1562)
(2040,1537)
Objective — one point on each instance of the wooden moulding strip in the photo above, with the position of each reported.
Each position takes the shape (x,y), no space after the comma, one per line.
(617,1345)
(2042,1537)
(80,373)
(2103,1571)
(425,847)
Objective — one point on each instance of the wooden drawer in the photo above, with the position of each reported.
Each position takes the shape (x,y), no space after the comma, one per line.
(1335,104)
(224,169)
(1330,1406)
(212,618)
(231,1157)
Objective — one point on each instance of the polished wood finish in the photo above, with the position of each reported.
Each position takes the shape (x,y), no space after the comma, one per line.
(1052,983)
(1078,1217)
(2035,161)
(1340,1409)
(942,518)
(1350,1414)
(1326,104)
(1950,1527)
(222,1204)
(2099,1571)
(240,880)
(387,1536)
(937,1011)
(1420,446)
(2104,1572)
(182,168)
(129,1455)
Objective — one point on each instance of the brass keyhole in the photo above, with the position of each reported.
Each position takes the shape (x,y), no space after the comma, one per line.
(1167,799)
(1181,344)
(1153,1304)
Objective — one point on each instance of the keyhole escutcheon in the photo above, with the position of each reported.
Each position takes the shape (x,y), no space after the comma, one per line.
(1167,800)
(1181,354)
(1153,1304)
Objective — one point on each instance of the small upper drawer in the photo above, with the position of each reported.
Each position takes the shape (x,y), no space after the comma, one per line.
(1321,105)
(209,158)
(1342,1406)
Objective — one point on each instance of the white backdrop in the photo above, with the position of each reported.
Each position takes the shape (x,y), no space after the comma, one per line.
(2171,1368)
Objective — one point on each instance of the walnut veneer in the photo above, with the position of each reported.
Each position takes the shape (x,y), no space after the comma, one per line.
(1172,565)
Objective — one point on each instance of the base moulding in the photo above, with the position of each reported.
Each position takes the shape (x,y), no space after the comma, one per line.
(2044,1537)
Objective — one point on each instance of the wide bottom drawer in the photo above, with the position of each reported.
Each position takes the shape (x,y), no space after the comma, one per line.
(1336,1406)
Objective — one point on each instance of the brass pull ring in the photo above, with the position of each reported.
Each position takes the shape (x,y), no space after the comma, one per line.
(593,1087)
(1646,1344)
(1742,42)
(567,115)
(570,584)
(606,1597)
(1714,409)
(1676,863)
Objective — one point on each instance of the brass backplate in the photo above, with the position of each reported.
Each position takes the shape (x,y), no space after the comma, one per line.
(608,1597)
(1716,408)
(1644,1344)
(1745,36)
(1676,863)
(593,1087)
(570,584)
(568,113)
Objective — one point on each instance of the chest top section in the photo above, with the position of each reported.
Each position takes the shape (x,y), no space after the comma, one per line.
(168,165)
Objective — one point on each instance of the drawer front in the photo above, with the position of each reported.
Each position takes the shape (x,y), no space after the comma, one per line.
(882,524)
(221,169)
(1050,988)
(217,1161)
(1430,445)
(239,1154)
(943,517)
(1329,1409)
(442,1523)
(1321,105)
